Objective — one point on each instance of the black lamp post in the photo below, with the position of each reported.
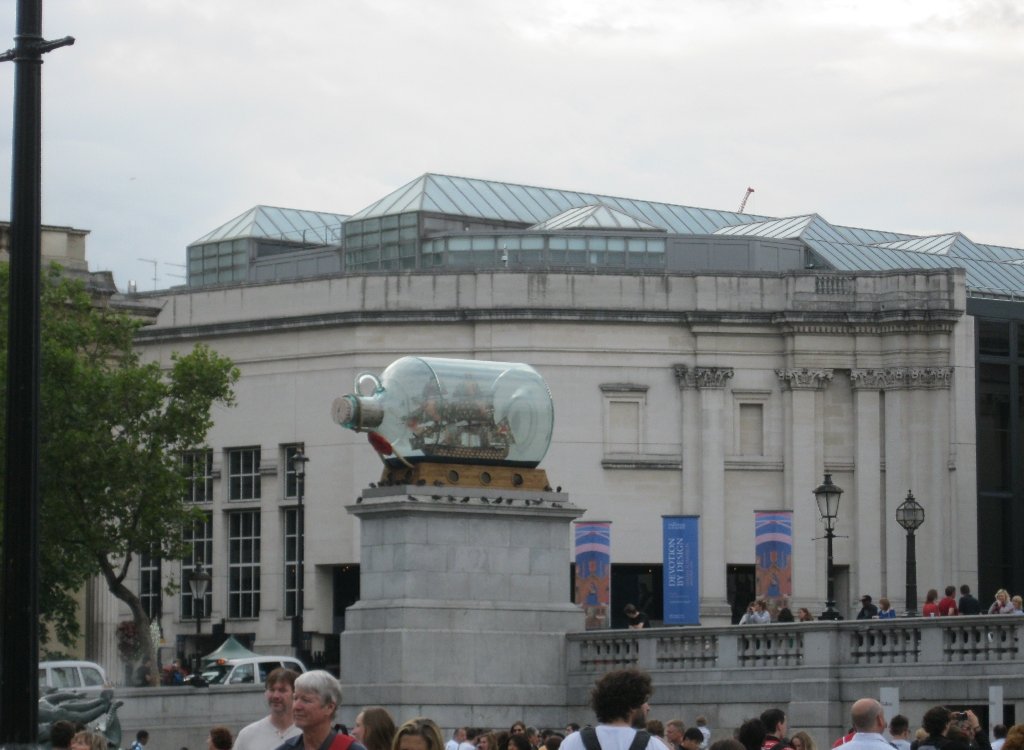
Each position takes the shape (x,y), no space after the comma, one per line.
(299,460)
(198,583)
(910,515)
(826,495)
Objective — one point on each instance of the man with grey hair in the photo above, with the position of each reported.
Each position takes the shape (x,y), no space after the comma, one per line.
(316,701)
(868,720)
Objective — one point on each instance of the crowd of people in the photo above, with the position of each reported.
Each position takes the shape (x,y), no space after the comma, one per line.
(947,606)
(762,611)
(303,712)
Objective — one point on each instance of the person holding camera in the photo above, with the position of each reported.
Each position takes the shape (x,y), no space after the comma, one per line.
(948,730)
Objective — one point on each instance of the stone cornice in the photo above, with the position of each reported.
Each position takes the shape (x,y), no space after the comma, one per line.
(873,323)
(702,377)
(805,379)
(897,378)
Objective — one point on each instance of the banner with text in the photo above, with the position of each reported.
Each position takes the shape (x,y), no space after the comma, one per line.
(773,544)
(681,569)
(594,571)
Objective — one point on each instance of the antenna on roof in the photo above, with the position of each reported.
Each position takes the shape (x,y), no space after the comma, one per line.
(153,261)
(743,202)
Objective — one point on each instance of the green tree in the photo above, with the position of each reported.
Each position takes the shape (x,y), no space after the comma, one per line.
(112,429)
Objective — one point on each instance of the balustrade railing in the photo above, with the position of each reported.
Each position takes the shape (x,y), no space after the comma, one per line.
(877,643)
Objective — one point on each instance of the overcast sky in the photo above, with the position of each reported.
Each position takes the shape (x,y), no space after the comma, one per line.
(167,118)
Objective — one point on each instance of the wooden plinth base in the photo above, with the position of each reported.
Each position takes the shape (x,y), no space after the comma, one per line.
(466,475)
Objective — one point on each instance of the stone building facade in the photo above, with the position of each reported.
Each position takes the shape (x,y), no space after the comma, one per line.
(707,393)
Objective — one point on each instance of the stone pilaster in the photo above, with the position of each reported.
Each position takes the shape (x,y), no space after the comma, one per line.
(690,441)
(804,471)
(872,549)
(709,383)
(913,439)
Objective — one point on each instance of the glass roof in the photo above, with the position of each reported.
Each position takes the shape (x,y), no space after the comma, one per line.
(279,223)
(502,201)
(989,267)
(596,217)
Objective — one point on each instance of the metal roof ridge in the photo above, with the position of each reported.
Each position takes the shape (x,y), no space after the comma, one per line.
(596,195)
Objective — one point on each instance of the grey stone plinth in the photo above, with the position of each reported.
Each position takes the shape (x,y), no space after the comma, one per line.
(465,603)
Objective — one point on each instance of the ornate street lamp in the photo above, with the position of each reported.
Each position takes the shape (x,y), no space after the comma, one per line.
(910,515)
(198,583)
(299,460)
(826,495)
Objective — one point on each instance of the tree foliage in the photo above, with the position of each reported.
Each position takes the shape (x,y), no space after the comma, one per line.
(111,431)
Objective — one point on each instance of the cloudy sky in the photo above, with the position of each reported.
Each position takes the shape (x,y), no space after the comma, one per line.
(170,117)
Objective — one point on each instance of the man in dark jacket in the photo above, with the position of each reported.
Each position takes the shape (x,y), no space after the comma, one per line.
(968,604)
(867,609)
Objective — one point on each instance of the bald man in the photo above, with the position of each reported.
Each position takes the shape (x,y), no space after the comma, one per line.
(868,720)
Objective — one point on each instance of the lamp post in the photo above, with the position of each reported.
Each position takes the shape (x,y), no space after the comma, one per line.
(826,495)
(910,515)
(299,460)
(198,583)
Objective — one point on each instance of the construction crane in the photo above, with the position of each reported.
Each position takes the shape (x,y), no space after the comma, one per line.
(743,202)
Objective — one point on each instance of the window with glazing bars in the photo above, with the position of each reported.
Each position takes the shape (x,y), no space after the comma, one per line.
(244,564)
(149,585)
(244,474)
(198,468)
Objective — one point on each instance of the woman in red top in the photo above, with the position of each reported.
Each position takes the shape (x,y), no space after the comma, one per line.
(931,606)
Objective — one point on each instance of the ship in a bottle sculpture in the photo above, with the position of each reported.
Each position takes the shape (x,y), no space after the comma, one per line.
(454,421)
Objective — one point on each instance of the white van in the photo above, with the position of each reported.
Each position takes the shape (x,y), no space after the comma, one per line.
(80,676)
(249,670)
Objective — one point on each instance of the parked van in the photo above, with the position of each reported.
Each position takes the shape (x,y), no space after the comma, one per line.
(81,676)
(248,670)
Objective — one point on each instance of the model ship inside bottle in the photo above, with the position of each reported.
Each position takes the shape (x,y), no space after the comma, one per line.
(451,411)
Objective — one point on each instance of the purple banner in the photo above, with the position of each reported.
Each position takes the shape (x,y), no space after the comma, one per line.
(594,571)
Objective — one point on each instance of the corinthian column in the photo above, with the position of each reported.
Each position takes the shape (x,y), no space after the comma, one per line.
(706,450)
(802,416)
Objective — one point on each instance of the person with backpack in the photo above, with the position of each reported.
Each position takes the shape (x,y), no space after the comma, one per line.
(315,702)
(619,699)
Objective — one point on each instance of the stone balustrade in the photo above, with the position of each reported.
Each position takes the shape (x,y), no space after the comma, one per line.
(814,671)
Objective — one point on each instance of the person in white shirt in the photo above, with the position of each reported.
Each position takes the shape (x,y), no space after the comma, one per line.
(458,737)
(868,719)
(998,736)
(619,699)
(899,732)
(269,732)
(757,614)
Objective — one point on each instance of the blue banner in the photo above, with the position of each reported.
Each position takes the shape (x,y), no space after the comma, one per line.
(681,567)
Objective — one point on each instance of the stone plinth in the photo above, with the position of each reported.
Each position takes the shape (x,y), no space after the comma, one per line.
(465,603)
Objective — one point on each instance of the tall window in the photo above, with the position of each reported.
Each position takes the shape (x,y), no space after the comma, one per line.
(244,564)
(751,429)
(149,585)
(244,474)
(999,390)
(291,558)
(198,468)
(200,536)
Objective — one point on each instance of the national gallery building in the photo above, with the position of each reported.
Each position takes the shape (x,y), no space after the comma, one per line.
(701,362)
